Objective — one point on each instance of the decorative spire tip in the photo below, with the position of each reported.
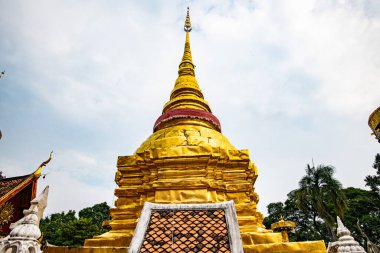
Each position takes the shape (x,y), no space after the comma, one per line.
(187,27)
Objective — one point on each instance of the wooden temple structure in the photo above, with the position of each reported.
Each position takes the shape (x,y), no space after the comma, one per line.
(16,194)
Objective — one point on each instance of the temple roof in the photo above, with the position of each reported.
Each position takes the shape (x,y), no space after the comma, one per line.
(9,187)
(187,228)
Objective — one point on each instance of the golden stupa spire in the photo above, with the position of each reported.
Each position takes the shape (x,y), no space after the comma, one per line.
(187,104)
(186,67)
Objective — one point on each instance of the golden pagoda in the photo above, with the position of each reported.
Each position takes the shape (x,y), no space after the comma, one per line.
(187,160)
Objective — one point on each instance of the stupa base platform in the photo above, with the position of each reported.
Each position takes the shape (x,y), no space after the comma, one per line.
(65,249)
(288,247)
(253,238)
(110,239)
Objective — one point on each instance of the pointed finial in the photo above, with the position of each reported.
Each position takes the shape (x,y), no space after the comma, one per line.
(342,230)
(187,27)
(346,243)
(187,104)
(37,173)
(47,161)
(186,67)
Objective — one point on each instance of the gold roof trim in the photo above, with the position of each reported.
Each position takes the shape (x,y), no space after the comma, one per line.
(374,122)
(37,173)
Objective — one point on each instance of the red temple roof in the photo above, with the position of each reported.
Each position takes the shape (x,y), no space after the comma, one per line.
(9,187)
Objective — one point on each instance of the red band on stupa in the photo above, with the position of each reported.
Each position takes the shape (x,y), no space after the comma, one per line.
(187,113)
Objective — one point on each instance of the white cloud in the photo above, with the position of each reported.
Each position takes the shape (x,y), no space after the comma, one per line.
(334,47)
(70,193)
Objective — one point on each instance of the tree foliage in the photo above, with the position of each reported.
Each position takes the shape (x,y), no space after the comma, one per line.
(309,226)
(97,213)
(303,204)
(363,206)
(374,181)
(65,229)
(321,193)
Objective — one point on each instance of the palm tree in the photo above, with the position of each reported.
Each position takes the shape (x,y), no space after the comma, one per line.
(320,192)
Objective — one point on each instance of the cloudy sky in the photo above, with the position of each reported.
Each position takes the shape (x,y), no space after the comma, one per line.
(292,81)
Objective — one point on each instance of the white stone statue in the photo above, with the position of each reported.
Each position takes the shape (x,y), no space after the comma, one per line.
(345,243)
(25,233)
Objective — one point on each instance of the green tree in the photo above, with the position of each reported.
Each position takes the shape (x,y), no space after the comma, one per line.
(97,213)
(321,193)
(308,225)
(374,181)
(51,226)
(364,206)
(300,206)
(275,210)
(75,232)
(65,229)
